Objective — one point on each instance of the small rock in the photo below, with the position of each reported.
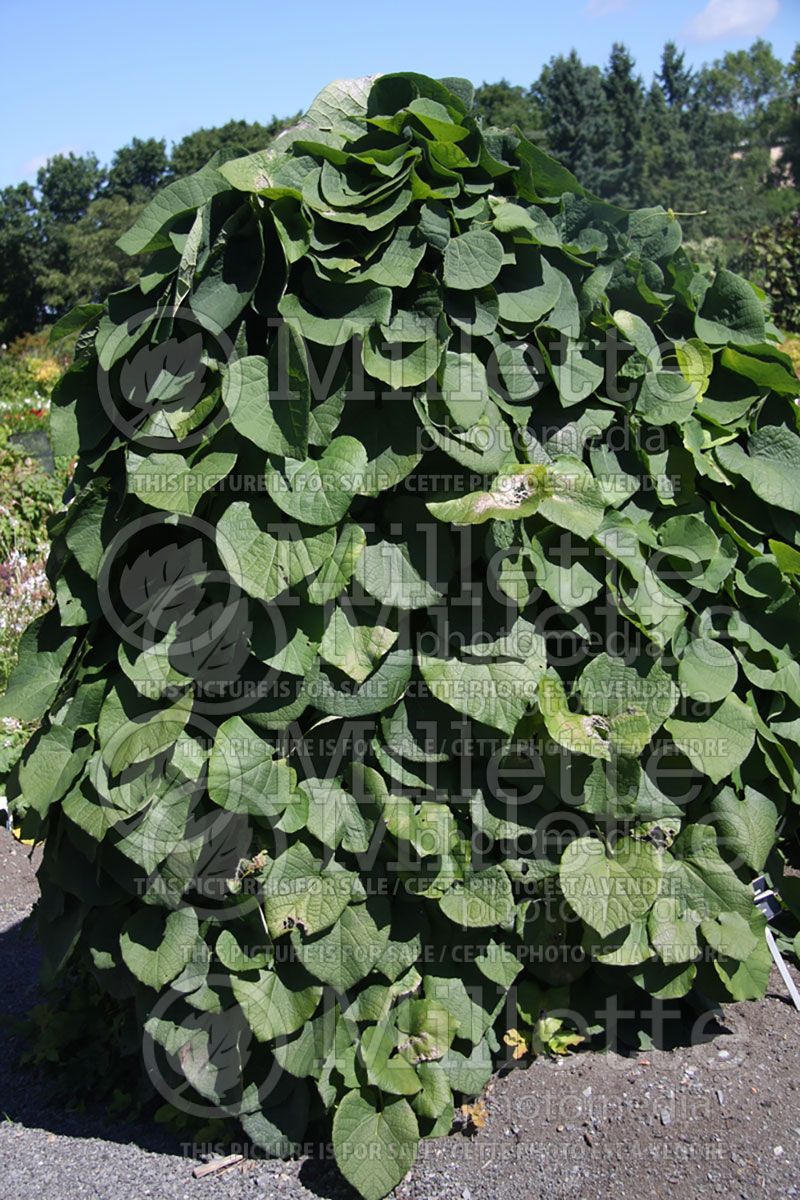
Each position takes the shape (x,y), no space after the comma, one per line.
(665,1117)
(777,1151)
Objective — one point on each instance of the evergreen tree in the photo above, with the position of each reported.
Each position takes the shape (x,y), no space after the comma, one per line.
(624,93)
(668,156)
(675,79)
(578,121)
(689,162)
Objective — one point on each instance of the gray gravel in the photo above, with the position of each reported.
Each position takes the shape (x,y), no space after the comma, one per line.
(716,1119)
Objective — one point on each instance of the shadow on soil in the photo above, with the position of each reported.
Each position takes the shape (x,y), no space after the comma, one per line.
(27,1095)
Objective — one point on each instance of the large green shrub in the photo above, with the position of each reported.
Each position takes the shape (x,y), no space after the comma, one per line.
(772,256)
(425,651)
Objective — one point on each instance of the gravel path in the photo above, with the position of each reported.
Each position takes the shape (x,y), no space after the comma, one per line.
(720,1118)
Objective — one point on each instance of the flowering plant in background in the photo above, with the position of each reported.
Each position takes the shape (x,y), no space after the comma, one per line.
(24,595)
(28,371)
(30,497)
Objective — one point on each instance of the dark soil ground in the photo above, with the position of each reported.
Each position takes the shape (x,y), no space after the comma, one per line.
(721,1118)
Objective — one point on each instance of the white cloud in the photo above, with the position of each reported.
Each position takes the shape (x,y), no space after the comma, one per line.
(732,18)
(604,8)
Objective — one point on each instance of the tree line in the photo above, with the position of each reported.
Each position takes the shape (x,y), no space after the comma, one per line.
(58,236)
(719,145)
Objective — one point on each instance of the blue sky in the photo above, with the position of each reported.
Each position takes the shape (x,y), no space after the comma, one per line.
(92,76)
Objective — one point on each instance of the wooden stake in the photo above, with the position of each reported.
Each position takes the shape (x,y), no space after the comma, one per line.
(219,1164)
